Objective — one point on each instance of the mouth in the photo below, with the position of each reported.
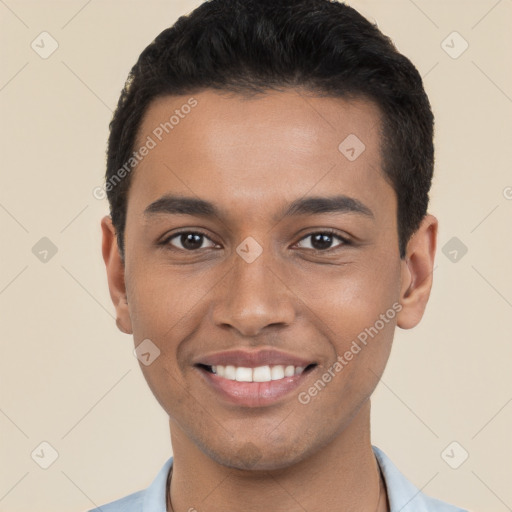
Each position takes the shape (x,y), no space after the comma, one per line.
(265,373)
(253,379)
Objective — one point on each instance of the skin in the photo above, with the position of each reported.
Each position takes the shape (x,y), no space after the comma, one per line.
(252,157)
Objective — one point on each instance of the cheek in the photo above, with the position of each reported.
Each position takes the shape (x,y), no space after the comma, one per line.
(166,307)
(355,308)
(349,298)
(171,390)
(163,301)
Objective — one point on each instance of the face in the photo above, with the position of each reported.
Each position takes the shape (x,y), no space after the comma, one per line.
(258,255)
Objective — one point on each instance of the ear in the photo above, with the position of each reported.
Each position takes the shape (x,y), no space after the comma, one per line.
(416,273)
(115,275)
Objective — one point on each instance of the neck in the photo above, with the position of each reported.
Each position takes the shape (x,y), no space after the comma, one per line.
(343,475)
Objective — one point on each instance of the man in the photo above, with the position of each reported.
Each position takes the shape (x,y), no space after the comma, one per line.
(268,172)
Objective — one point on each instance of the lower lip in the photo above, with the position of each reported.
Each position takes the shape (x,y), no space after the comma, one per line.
(253,394)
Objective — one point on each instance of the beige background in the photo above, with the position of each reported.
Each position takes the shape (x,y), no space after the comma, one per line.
(68,376)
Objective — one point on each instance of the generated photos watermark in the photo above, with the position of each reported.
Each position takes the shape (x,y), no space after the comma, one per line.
(152,141)
(343,360)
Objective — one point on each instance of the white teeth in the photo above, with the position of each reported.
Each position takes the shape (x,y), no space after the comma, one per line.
(289,371)
(258,374)
(230,372)
(261,374)
(243,374)
(277,372)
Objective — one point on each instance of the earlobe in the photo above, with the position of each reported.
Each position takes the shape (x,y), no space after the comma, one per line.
(416,274)
(115,275)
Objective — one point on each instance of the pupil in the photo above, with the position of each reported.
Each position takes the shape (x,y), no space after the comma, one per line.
(191,240)
(321,241)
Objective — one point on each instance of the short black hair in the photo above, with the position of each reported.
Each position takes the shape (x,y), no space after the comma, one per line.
(253,46)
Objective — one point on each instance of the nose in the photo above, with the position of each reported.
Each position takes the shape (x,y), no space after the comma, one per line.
(253,296)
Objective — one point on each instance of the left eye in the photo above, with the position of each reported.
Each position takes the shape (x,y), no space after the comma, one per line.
(322,241)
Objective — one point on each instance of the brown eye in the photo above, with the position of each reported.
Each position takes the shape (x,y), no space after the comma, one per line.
(322,241)
(188,241)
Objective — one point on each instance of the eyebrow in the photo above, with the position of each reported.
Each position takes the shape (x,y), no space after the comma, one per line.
(319,205)
(181,205)
(172,205)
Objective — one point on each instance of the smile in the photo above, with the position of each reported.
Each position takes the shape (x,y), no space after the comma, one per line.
(258,374)
(255,378)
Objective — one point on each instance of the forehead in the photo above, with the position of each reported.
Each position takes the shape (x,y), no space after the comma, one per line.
(263,150)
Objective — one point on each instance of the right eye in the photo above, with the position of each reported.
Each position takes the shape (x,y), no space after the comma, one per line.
(187,241)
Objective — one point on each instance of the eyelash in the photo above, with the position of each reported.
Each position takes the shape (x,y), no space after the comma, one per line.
(331,232)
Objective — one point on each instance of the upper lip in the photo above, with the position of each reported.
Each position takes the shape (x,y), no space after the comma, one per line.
(252,359)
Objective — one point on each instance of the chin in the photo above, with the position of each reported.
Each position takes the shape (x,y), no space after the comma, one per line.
(259,457)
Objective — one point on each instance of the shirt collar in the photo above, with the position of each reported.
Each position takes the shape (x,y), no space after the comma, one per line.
(154,497)
(403,496)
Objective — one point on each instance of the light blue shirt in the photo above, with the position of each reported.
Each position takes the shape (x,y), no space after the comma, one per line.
(403,496)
